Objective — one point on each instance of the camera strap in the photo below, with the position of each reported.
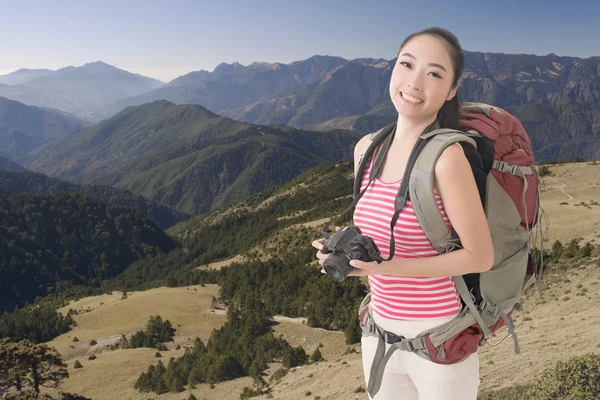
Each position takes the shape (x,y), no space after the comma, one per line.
(402,195)
(372,176)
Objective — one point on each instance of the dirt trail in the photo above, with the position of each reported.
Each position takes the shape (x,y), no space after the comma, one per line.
(562,188)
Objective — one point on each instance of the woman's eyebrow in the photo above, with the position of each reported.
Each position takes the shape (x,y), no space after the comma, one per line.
(430,64)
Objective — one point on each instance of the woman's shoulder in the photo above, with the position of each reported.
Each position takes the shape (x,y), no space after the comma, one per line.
(452,156)
(360,148)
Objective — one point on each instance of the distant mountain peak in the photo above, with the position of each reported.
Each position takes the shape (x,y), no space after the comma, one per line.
(100,65)
(225,68)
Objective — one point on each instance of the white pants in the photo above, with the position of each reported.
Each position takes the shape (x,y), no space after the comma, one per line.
(410,377)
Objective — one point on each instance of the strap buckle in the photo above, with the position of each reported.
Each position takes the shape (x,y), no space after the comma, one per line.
(392,338)
(492,309)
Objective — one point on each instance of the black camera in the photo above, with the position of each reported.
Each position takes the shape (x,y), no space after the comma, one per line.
(348,244)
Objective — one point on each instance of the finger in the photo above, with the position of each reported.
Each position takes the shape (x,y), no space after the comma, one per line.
(318,244)
(323,271)
(337,228)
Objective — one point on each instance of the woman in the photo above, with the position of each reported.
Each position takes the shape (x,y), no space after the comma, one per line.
(414,291)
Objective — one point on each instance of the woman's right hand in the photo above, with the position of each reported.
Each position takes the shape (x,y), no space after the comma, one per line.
(318,244)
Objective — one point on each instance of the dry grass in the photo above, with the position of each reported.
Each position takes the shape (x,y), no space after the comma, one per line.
(108,317)
(224,263)
(572,183)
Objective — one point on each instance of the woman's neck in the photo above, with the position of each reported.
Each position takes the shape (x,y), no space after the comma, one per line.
(408,130)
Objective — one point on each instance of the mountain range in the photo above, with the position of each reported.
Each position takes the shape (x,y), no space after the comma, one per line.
(186,156)
(322,88)
(303,93)
(83,91)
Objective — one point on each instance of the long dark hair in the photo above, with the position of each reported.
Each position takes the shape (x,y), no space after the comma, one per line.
(449,114)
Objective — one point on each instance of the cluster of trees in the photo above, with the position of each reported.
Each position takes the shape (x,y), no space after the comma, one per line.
(37,183)
(292,285)
(34,323)
(156,334)
(242,347)
(571,250)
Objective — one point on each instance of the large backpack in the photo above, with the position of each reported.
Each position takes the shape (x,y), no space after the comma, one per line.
(500,155)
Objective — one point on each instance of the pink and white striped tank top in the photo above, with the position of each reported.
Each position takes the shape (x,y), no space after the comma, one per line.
(397,297)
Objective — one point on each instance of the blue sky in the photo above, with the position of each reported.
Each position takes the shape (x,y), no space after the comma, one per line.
(166,39)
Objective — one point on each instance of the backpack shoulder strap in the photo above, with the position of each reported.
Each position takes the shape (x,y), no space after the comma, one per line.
(376,139)
(421,188)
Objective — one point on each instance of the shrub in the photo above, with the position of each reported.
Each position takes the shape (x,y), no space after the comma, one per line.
(544,170)
(77,364)
(578,378)
(293,357)
(316,356)
(278,375)
(353,332)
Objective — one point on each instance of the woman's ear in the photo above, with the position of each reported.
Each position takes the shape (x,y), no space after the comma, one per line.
(452,93)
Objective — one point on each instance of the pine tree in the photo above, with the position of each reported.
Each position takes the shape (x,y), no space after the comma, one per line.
(157,378)
(256,369)
(27,364)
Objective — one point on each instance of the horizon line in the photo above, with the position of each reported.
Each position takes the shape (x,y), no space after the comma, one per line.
(135,70)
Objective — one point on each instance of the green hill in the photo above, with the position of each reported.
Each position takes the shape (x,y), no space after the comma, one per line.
(33,182)
(187,157)
(23,127)
(50,242)
(7,164)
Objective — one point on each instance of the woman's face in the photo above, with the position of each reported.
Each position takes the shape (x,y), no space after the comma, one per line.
(422,78)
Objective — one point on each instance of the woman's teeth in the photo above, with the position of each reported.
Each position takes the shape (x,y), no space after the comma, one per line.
(410,98)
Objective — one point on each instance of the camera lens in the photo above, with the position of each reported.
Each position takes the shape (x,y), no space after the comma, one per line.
(337,267)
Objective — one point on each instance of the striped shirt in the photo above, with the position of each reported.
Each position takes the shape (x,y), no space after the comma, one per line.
(397,297)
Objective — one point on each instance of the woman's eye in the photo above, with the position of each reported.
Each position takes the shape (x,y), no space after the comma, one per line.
(407,65)
(435,75)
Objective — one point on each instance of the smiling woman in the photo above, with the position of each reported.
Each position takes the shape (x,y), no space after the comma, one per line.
(414,294)
(413,290)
